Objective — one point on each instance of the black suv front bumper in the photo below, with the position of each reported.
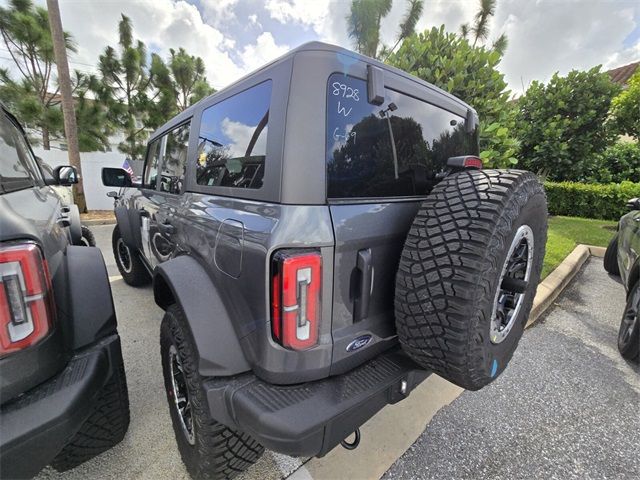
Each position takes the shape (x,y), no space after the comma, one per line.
(36,426)
(310,419)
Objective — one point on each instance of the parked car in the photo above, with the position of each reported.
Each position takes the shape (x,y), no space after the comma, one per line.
(622,258)
(63,393)
(83,237)
(322,237)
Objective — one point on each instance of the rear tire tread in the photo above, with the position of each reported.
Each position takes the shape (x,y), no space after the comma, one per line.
(611,257)
(105,427)
(219,452)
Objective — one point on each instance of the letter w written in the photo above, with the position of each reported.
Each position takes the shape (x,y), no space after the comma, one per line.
(343,111)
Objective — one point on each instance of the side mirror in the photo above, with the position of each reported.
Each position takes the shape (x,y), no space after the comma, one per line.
(634,204)
(116,177)
(112,194)
(65,175)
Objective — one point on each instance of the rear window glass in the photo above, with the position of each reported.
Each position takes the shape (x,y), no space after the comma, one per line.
(17,165)
(396,149)
(232,143)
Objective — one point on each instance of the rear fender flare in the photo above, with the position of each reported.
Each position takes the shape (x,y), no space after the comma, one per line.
(83,297)
(219,350)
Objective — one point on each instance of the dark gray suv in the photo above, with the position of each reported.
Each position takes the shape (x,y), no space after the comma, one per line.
(321,236)
(63,392)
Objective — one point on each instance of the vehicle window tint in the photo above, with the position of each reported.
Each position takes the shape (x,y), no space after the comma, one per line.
(393,150)
(151,164)
(232,143)
(17,165)
(174,160)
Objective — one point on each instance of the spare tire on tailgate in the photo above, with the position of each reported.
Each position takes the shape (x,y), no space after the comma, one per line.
(469,271)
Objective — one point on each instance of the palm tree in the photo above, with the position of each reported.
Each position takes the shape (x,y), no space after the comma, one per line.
(364,22)
(480,28)
(408,25)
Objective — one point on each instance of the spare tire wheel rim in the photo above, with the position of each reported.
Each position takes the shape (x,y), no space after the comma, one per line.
(180,394)
(512,285)
(124,256)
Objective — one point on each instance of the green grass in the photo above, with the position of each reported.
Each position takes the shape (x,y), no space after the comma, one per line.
(566,232)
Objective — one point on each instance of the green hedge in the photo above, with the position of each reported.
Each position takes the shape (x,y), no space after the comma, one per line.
(605,201)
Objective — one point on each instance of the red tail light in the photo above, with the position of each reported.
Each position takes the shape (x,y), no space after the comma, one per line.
(26,305)
(295,298)
(465,161)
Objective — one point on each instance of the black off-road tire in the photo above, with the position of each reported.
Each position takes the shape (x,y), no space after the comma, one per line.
(105,427)
(217,452)
(88,239)
(451,264)
(611,257)
(134,273)
(629,333)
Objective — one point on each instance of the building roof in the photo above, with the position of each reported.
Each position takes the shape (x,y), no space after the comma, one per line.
(621,75)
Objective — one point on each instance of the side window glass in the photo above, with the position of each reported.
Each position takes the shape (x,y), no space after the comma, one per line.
(174,160)
(17,166)
(232,143)
(151,164)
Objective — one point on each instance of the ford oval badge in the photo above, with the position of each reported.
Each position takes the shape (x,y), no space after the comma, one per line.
(358,343)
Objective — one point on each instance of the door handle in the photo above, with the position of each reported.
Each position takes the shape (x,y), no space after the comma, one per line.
(166,228)
(361,302)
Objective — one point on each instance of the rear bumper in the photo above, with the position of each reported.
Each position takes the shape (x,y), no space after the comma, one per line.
(312,418)
(36,426)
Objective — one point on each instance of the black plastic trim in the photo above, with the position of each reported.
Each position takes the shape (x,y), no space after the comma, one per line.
(37,425)
(219,351)
(310,419)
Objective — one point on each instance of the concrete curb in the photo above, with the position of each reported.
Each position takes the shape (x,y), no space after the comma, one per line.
(393,430)
(556,281)
(99,221)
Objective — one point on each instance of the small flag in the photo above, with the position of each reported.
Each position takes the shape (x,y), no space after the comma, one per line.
(127,167)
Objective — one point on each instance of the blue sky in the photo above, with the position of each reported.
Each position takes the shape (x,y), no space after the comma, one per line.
(237,36)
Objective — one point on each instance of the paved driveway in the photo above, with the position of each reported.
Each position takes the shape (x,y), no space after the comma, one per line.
(568,405)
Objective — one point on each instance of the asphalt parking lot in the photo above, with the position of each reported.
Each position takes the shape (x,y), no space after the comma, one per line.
(567,407)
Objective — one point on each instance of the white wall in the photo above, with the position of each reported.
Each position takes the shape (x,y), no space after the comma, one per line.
(92,163)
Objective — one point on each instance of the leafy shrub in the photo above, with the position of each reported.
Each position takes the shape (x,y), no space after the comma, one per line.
(471,74)
(605,201)
(626,108)
(618,163)
(563,126)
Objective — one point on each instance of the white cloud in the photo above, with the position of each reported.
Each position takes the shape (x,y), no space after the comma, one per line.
(548,36)
(544,36)
(263,51)
(160,24)
(623,57)
(217,12)
(312,14)
(240,134)
(253,20)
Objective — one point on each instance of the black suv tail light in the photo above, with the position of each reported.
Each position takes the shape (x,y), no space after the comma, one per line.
(295,298)
(26,303)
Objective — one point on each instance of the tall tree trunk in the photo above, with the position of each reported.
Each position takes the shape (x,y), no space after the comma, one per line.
(46,144)
(68,110)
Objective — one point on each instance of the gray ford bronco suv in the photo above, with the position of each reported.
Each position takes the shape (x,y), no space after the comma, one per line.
(322,237)
(63,392)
